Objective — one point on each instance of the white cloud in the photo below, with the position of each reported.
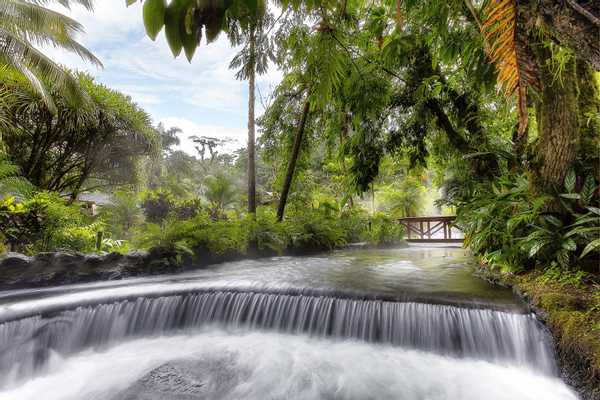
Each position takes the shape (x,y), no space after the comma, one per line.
(202,97)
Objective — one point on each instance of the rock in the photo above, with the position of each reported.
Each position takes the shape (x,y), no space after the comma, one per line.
(14,260)
(51,269)
(186,380)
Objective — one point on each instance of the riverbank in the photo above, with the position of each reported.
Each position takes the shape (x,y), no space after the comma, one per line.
(571,311)
(19,271)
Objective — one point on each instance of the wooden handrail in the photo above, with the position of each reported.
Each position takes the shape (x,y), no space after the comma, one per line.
(425,229)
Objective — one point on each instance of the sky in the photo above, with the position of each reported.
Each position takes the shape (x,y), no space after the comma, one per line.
(203,98)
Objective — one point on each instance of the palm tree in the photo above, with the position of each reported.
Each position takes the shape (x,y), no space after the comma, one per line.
(25,24)
(220,193)
(252,59)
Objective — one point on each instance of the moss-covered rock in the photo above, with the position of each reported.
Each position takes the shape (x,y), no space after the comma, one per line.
(572,313)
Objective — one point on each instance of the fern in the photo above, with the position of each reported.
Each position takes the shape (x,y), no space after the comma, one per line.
(13,184)
(507,49)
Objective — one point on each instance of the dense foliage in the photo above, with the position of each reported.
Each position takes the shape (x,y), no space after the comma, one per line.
(385,110)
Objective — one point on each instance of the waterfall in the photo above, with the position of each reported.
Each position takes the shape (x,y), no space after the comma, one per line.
(26,344)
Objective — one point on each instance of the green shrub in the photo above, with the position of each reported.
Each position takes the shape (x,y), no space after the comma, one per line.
(195,234)
(20,224)
(384,231)
(65,226)
(355,224)
(314,229)
(514,230)
(264,232)
(77,238)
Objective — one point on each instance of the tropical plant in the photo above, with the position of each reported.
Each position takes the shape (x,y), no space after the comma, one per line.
(403,199)
(20,225)
(383,231)
(123,214)
(78,148)
(220,193)
(26,25)
(11,183)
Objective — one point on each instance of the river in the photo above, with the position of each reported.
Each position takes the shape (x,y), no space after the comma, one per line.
(408,324)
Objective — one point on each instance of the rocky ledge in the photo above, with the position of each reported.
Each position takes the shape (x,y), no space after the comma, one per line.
(572,315)
(50,269)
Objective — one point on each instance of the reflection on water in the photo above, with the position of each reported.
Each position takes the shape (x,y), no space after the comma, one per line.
(426,274)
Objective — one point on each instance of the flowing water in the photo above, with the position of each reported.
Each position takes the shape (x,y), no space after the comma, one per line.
(410,324)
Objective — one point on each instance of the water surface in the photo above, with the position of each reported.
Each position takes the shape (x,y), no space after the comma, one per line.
(408,324)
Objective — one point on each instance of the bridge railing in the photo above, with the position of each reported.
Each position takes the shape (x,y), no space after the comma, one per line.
(431,229)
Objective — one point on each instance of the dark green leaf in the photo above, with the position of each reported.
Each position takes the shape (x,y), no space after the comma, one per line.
(572,196)
(590,247)
(154,16)
(589,186)
(570,181)
(569,244)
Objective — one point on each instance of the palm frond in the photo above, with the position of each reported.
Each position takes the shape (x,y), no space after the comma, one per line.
(89,4)
(508,50)
(43,27)
(37,67)
(25,24)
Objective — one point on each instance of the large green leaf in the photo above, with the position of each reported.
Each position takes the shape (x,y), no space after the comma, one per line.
(569,244)
(536,247)
(188,36)
(174,24)
(570,181)
(154,16)
(594,244)
(589,186)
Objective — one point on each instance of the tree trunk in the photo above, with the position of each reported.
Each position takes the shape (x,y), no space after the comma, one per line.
(558,126)
(574,24)
(343,136)
(251,131)
(589,118)
(289,176)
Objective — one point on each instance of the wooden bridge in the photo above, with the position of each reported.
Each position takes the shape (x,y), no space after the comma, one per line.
(430,229)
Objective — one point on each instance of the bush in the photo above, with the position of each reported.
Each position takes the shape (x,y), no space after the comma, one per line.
(514,230)
(20,224)
(355,224)
(161,204)
(195,235)
(264,232)
(314,229)
(383,231)
(78,238)
(157,206)
(65,226)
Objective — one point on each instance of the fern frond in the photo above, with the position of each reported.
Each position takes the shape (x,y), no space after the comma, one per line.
(11,183)
(508,50)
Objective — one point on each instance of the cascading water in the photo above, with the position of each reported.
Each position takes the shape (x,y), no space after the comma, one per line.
(195,338)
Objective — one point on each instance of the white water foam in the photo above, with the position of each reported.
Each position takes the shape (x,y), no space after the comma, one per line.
(274,366)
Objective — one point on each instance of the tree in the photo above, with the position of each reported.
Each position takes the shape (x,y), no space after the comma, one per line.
(244,22)
(220,193)
(25,24)
(78,148)
(293,159)
(525,41)
(252,59)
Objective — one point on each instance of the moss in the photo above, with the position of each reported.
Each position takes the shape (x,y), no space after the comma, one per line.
(571,311)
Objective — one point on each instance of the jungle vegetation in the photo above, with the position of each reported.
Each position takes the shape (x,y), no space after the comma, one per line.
(491,108)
